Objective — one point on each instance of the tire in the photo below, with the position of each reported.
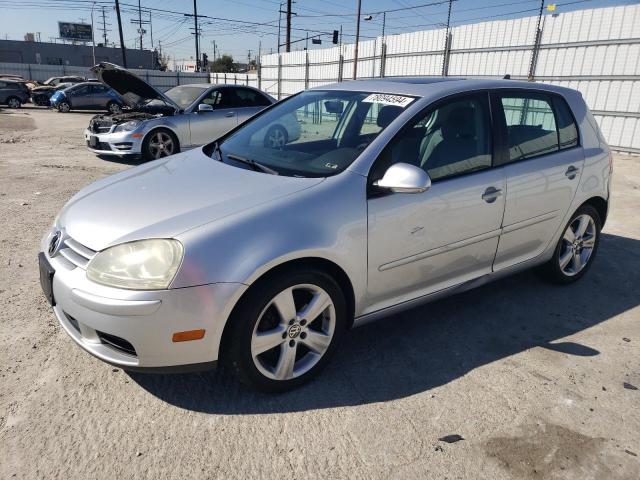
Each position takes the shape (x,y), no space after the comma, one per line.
(159,143)
(64,107)
(114,107)
(276,137)
(576,248)
(14,102)
(290,338)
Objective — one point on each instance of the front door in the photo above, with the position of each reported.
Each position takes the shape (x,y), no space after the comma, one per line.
(543,172)
(207,126)
(420,243)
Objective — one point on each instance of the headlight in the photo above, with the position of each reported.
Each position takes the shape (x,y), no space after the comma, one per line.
(127,126)
(141,265)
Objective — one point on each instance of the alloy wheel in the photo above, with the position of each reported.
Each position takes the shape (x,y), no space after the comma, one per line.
(13,103)
(293,332)
(276,138)
(115,108)
(161,145)
(578,242)
(64,107)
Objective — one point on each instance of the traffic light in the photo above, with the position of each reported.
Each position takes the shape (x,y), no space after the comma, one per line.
(205,60)
(335,37)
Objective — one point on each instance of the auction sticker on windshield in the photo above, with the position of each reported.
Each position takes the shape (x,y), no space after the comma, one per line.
(386,99)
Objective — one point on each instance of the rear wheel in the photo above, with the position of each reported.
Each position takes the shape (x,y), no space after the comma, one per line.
(276,137)
(577,247)
(14,102)
(159,143)
(64,107)
(285,330)
(114,107)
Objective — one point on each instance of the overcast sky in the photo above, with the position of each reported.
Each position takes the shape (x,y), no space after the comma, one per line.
(173,29)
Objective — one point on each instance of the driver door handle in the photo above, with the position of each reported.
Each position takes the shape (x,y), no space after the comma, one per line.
(491,194)
(230,114)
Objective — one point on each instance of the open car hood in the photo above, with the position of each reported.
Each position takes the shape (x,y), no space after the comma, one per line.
(133,90)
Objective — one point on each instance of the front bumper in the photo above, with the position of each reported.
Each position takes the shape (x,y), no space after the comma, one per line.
(134,329)
(120,143)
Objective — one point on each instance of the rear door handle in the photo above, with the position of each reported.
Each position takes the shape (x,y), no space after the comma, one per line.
(491,194)
(230,114)
(571,172)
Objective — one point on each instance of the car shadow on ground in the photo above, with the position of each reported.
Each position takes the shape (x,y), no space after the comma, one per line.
(132,160)
(435,344)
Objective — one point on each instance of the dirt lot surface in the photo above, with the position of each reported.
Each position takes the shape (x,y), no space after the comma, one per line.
(540,381)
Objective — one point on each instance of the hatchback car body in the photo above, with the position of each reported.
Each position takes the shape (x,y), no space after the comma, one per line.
(13,93)
(161,124)
(86,96)
(397,192)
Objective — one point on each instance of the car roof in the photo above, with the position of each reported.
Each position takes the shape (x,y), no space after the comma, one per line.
(436,86)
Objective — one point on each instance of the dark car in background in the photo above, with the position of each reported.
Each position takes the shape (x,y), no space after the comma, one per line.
(41,94)
(13,93)
(87,96)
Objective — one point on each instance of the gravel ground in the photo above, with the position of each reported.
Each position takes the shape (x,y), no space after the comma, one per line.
(540,381)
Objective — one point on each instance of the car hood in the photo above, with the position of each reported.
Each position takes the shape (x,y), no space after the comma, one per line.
(164,198)
(133,90)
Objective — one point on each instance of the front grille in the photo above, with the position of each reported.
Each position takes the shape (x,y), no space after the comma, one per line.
(99,146)
(76,253)
(116,342)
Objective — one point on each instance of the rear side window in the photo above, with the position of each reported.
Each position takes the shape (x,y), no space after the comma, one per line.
(567,130)
(251,98)
(537,124)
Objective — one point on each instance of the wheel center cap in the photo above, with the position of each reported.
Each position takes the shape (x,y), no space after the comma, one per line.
(294,330)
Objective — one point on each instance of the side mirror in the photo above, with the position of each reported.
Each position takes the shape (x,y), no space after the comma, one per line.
(205,107)
(404,178)
(333,106)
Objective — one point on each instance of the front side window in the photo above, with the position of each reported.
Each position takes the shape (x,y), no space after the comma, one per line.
(315,133)
(452,139)
(531,125)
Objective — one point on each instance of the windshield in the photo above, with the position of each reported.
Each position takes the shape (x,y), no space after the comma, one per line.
(316,133)
(184,96)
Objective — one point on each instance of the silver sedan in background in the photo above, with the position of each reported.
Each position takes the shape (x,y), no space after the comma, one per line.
(397,192)
(160,124)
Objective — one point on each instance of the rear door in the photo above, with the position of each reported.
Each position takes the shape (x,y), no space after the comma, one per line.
(207,126)
(79,96)
(99,95)
(249,102)
(542,168)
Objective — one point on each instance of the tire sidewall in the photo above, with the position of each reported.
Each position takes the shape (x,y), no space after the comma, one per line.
(243,320)
(556,272)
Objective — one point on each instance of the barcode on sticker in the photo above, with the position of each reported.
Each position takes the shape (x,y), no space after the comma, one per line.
(386,99)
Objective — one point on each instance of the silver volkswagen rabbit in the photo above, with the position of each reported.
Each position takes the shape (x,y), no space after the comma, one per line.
(261,256)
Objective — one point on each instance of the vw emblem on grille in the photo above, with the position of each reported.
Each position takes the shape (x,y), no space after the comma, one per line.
(54,243)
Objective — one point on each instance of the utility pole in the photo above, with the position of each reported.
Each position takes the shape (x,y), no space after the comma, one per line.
(447,46)
(279,21)
(355,53)
(288,47)
(197,33)
(122,48)
(536,45)
(140,23)
(104,27)
(151,29)
(214,50)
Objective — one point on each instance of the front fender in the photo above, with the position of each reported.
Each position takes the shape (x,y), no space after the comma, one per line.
(327,221)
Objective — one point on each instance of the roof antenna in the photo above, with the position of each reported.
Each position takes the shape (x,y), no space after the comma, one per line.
(507,77)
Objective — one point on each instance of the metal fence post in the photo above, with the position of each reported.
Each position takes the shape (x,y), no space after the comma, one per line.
(306,70)
(340,67)
(279,77)
(383,59)
(446,55)
(259,73)
(178,77)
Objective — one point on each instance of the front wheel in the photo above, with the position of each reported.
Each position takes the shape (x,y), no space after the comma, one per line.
(14,102)
(159,143)
(64,107)
(285,330)
(577,247)
(114,108)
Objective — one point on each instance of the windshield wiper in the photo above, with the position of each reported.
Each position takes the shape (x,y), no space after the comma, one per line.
(253,163)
